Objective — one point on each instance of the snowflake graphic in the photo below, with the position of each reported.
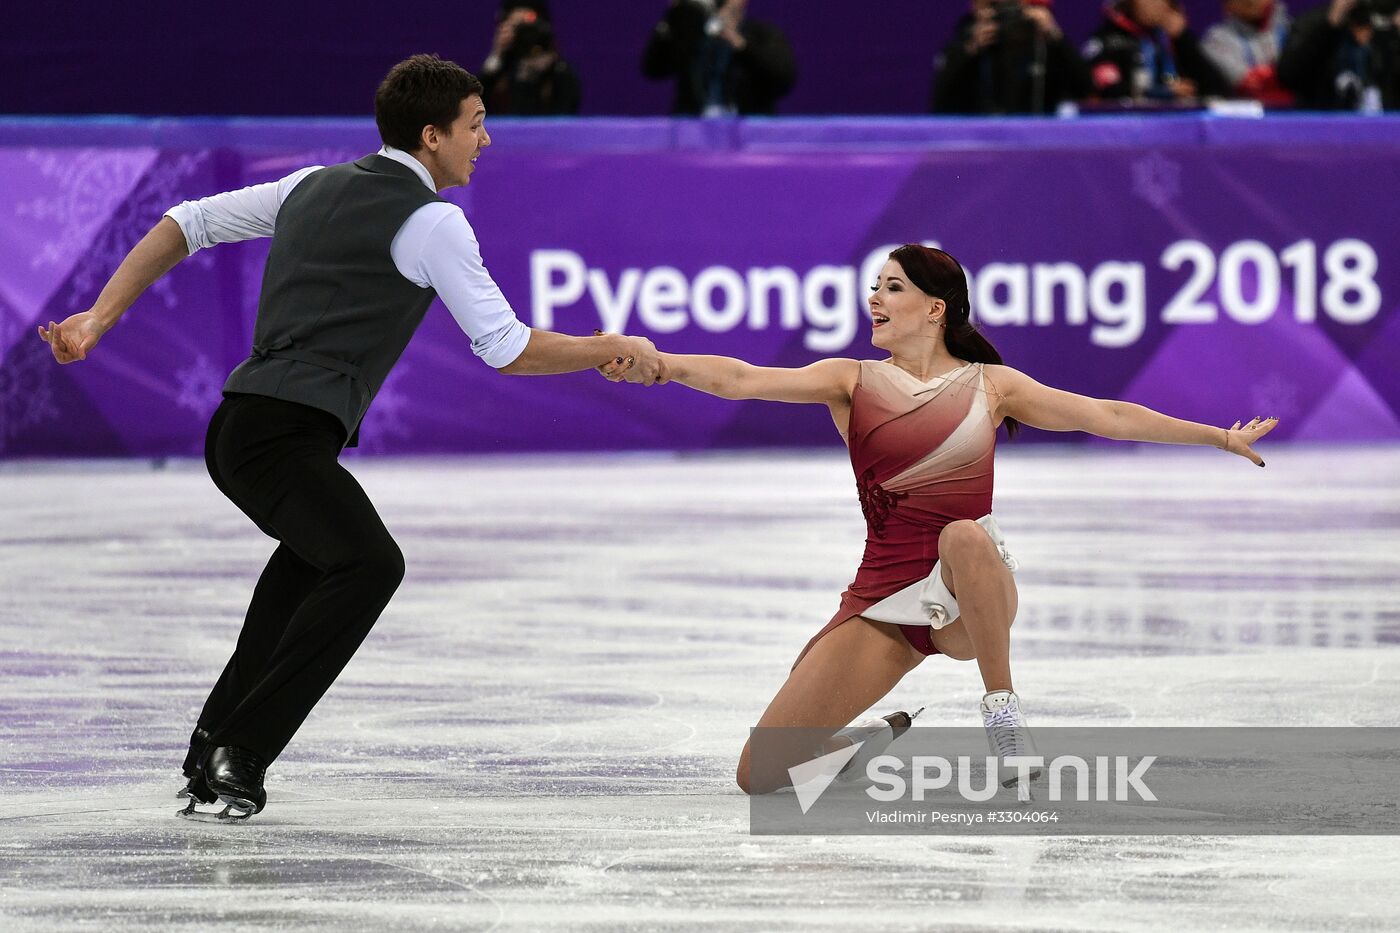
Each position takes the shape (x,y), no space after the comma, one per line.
(78,205)
(13,327)
(85,182)
(385,420)
(1157,180)
(1275,397)
(26,387)
(201,386)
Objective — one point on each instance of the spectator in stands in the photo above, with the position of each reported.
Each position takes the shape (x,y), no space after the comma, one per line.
(1008,56)
(524,74)
(1344,55)
(1245,47)
(722,61)
(1144,51)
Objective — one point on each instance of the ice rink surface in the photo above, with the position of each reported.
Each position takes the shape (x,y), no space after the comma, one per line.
(540,733)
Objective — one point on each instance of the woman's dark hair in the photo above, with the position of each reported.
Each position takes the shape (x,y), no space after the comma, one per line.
(420,91)
(939,275)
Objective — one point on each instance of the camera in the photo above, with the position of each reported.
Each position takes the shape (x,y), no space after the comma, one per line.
(1361,14)
(534,34)
(1008,14)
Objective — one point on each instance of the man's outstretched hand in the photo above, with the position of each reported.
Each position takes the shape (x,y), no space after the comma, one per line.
(74,337)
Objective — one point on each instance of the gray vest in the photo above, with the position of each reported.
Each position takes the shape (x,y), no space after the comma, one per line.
(335,314)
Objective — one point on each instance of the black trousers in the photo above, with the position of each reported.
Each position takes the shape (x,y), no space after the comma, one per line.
(334,570)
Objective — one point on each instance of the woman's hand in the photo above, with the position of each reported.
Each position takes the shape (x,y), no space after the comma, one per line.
(1239,439)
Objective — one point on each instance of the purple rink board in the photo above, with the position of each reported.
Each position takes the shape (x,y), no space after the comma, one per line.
(1213,268)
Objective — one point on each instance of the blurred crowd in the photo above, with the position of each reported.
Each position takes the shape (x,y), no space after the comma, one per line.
(1005,57)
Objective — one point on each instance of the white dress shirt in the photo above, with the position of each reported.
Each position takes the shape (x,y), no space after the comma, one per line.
(435,248)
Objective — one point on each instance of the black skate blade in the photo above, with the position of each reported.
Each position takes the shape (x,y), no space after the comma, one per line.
(900,721)
(193,813)
(1013,781)
(229,813)
(236,808)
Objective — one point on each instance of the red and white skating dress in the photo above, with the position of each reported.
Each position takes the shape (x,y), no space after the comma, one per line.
(922,454)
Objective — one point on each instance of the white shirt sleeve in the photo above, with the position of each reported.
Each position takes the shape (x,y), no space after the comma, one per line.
(235,215)
(437,248)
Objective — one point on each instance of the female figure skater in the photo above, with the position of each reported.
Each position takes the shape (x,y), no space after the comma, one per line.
(921,428)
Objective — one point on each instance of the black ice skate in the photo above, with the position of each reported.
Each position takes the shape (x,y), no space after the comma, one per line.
(230,776)
(199,744)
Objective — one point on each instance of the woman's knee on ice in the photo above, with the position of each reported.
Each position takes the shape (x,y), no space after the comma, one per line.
(753,787)
(782,750)
(751,783)
(741,772)
(741,777)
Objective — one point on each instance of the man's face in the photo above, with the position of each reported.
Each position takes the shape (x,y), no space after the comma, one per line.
(459,147)
(1248,10)
(1151,13)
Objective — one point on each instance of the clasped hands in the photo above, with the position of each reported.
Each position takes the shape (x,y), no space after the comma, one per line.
(641,364)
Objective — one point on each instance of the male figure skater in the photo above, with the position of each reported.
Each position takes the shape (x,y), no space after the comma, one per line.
(359,250)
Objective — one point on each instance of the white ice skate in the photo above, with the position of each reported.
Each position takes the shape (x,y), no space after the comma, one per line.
(875,736)
(1007,735)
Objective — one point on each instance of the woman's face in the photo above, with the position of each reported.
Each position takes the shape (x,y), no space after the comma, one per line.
(899,311)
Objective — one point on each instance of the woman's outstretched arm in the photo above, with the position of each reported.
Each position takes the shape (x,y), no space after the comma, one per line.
(828,382)
(1018,396)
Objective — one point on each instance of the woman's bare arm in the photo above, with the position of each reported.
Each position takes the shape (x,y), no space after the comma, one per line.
(828,382)
(1021,397)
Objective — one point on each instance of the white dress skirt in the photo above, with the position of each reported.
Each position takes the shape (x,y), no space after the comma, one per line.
(929,601)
